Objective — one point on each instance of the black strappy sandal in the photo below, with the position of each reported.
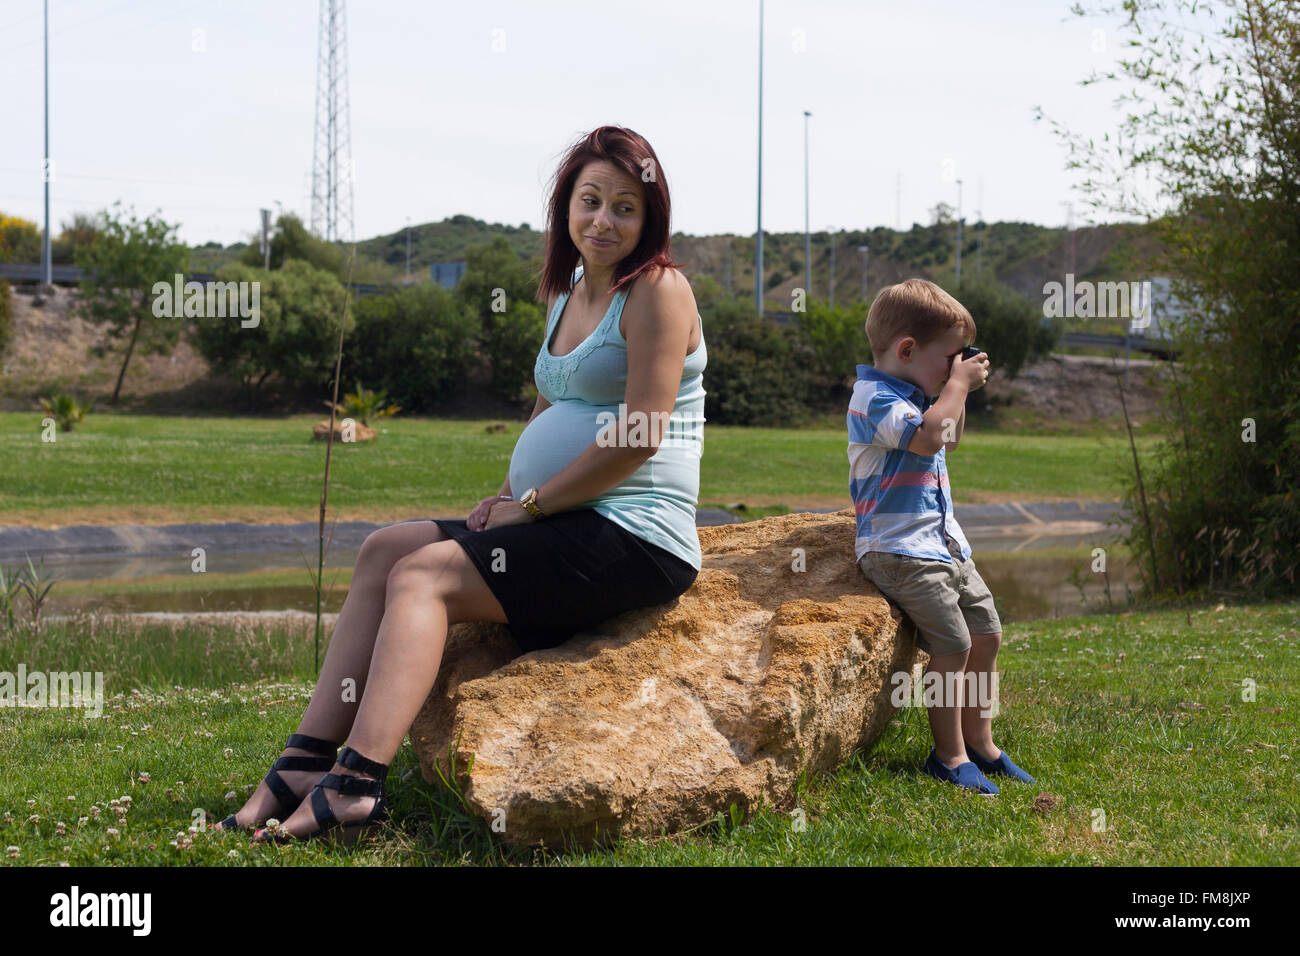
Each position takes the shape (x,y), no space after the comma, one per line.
(288,800)
(346,832)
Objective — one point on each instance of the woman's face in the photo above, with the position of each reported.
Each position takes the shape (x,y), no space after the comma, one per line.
(606,212)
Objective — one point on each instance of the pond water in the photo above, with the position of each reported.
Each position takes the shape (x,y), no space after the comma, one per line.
(1030,577)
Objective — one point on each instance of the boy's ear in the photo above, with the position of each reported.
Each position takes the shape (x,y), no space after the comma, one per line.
(904,347)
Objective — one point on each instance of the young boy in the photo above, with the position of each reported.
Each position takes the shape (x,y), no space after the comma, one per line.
(908,541)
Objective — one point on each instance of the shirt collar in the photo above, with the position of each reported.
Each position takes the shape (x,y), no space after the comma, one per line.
(913,393)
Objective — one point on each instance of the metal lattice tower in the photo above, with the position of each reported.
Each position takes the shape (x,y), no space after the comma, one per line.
(331,168)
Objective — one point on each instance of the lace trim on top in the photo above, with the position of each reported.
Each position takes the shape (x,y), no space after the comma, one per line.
(551,373)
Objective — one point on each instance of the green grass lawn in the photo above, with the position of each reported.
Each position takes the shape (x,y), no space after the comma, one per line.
(157,469)
(1134,724)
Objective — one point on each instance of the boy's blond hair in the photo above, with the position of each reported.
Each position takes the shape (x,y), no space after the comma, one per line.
(918,308)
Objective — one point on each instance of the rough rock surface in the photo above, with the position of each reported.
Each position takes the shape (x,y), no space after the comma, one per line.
(658,718)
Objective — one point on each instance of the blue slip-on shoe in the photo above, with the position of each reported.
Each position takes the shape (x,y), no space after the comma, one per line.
(966,775)
(1002,766)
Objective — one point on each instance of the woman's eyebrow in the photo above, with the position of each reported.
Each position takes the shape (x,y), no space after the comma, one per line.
(621,192)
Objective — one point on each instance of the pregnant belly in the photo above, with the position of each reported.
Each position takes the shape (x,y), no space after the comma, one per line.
(552,442)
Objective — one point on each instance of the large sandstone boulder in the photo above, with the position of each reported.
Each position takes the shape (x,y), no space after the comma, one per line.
(777,660)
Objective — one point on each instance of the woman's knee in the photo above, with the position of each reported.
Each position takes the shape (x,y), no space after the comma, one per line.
(382,549)
(423,569)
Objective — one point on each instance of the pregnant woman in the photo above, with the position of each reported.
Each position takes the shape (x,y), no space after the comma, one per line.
(596,517)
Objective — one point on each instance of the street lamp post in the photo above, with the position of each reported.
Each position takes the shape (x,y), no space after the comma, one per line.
(807,237)
(959,232)
(758,263)
(830,296)
(865,254)
(47,266)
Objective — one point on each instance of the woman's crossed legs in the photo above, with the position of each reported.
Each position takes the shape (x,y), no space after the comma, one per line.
(410,584)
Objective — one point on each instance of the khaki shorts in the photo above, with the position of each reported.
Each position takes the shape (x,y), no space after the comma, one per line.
(948,601)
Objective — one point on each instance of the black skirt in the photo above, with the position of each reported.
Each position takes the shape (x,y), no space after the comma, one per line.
(567,572)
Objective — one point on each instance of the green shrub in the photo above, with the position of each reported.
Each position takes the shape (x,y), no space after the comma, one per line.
(835,338)
(1009,326)
(1215,509)
(500,290)
(417,344)
(296,337)
(758,373)
(291,240)
(65,410)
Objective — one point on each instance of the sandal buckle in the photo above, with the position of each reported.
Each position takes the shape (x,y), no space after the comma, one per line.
(352,785)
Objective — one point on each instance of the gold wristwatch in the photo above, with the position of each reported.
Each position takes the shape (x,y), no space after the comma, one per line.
(529,501)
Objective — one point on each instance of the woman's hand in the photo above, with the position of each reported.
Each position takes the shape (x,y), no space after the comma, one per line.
(478,517)
(507,513)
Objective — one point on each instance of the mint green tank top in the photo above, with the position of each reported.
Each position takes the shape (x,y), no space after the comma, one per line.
(585,388)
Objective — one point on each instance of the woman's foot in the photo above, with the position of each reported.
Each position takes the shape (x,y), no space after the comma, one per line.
(347,808)
(264,804)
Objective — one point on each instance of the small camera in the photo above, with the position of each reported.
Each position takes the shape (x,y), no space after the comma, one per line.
(970,351)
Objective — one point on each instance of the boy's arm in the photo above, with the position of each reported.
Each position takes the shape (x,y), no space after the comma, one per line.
(928,439)
(961,426)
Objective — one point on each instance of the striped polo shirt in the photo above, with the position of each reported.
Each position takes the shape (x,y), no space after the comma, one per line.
(901,499)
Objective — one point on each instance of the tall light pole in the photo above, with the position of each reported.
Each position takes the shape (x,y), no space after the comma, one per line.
(758,264)
(831,295)
(47,267)
(959,232)
(865,253)
(408,249)
(807,237)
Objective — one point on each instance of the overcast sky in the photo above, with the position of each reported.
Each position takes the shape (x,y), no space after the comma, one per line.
(466,107)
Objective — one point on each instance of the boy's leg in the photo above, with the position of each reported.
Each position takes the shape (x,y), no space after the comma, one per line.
(947,716)
(928,592)
(977,715)
(986,637)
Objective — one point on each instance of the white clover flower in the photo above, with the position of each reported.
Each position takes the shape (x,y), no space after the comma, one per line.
(230,796)
(13,852)
(114,832)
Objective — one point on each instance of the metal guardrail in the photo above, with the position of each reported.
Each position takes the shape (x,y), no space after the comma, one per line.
(1137,343)
(70,275)
(33,273)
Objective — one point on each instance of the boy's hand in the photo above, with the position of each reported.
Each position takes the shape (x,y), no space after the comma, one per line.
(973,372)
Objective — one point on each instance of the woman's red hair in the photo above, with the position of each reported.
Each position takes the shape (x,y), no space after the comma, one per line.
(628,151)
